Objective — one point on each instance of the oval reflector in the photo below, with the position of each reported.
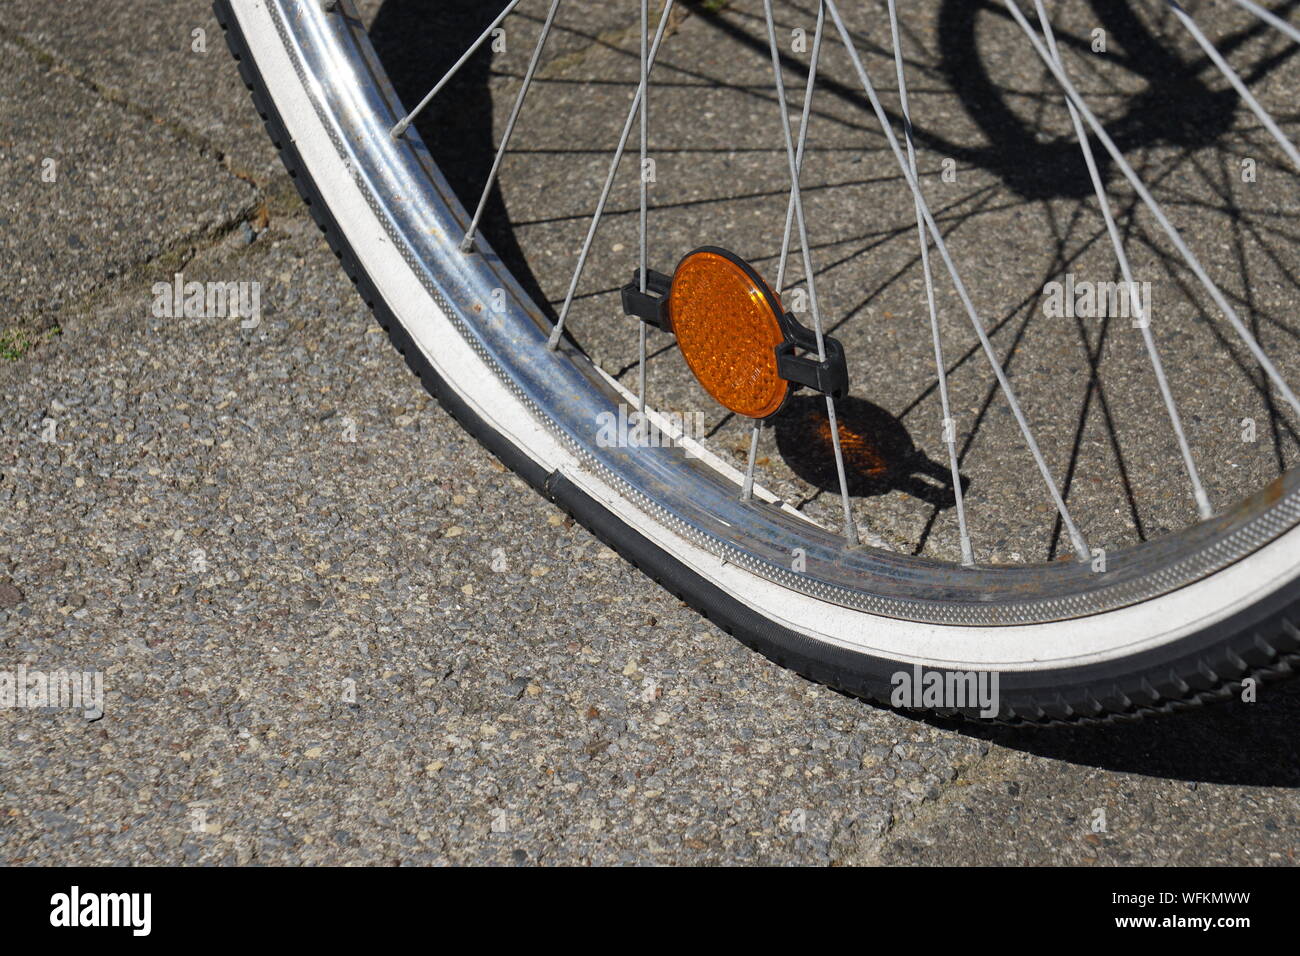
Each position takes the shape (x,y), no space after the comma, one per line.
(727,331)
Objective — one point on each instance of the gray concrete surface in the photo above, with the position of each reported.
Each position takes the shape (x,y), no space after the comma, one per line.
(390,650)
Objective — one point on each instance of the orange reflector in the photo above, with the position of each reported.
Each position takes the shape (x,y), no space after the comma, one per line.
(727,324)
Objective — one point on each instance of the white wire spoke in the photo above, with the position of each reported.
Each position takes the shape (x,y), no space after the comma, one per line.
(1203,507)
(850,529)
(405,123)
(747,489)
(949,423)
(1140,188)
(1272,19)
(1076,539)
(558,331)
(645,192)
(1262,114)
(468,242)
(809,87)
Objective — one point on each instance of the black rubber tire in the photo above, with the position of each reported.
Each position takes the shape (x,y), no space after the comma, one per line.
(1261,643)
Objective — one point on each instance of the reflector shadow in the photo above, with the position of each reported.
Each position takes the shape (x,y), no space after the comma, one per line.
(879,453)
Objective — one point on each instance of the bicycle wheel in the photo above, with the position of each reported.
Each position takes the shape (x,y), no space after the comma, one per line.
(1169,619)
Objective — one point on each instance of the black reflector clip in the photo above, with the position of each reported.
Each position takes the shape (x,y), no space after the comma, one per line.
(830,377)
(650,306)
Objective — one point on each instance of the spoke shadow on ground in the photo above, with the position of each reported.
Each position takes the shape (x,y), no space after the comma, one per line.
(1179,107)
